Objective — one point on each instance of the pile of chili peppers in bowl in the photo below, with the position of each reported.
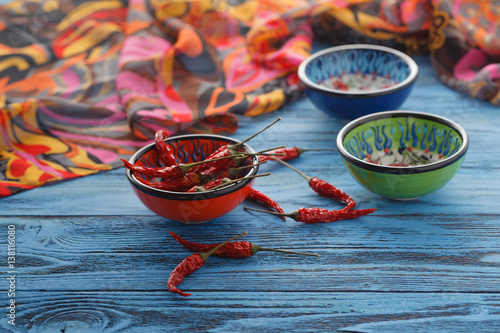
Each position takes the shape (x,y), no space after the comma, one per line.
(193,178)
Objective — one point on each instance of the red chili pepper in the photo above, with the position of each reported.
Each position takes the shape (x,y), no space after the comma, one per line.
(324,188)
(233,173)
(223,151)
(164,151)
(170,172)
(238,249)
(321,215)
(194,179)
(290,153)
(215,168)
(189,265)
(216,183)
(185,268)
(239,159)
(230,173)
(328,190)
(165,186)
(210,185)
(260,197)
(182,184)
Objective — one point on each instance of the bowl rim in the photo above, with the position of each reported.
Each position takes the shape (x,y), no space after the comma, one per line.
(191,196)
(397,169)
(414,70)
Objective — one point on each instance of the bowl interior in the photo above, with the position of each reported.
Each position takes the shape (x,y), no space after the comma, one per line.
(358,70)
(188,149)
(403,141)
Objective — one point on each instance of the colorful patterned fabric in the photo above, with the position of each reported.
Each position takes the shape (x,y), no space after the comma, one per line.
(85,83)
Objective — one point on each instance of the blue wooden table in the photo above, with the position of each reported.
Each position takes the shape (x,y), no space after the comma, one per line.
(91,258)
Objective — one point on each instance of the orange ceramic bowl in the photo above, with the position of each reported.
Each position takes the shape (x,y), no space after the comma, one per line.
(190,207)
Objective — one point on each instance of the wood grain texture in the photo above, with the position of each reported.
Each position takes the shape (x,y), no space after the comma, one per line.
(92,258)
(260,311)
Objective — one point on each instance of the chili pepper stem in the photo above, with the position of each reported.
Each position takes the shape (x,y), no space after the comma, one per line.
(254,135)
(185,167)
(293,215)
(244,156)
(294,169)
(248,166)
(205,255)
(264,154)
(300,150)
(234,171)
(231,181)
(259,248)
(266,150)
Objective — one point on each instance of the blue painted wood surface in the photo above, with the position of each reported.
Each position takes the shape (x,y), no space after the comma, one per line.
(92,258)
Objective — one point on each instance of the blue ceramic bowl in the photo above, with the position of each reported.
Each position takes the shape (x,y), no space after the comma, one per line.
(351,81)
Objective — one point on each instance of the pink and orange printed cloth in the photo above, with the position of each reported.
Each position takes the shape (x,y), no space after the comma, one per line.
(85,83)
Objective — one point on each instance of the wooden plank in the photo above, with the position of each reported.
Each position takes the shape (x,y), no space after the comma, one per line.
(389,255)
(158,311)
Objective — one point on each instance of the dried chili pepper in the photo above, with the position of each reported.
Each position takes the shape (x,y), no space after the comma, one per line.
(222,152)
(260,197)
(321,215)
(328,190)
(237,161)
(164,151)
(217,183)
(171,172)
(190,265)
(324,188)
(238,249)
(233,173)
(290,153)
(182,184)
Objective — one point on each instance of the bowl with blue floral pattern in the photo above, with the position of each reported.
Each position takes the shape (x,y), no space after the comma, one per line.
(402,155)
(351,81)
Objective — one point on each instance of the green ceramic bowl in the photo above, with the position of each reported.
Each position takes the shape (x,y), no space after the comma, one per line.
(402,154)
